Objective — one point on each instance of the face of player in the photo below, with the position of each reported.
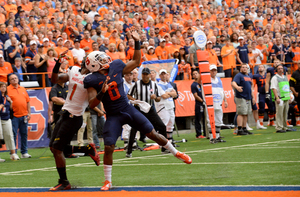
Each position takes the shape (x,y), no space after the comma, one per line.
(213,73)
(261,68)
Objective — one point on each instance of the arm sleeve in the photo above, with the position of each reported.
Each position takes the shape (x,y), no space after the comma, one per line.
(53,93)
(237,79)
(193,88)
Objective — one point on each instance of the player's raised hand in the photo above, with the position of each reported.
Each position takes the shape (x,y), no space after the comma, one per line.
(105,85)
(135,35)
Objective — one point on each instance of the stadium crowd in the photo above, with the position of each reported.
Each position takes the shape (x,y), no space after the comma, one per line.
(33,34)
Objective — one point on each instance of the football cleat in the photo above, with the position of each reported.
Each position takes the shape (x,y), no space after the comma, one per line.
(62,185)
(93,153)
(183,157)
(107,185)
(271,123)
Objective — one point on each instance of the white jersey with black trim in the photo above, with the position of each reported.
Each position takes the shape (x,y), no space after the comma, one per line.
(77,99)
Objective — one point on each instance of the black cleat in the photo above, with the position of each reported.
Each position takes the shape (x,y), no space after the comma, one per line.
(220,140)
(280,131)
(62,185)
(248,132)
(241,132)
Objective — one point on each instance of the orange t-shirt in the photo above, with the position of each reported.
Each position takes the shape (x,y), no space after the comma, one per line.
(2,18)
(71,60)
(87,43)
(228,61)
(122,56)
(213,58)
(151,57)
(164,29)
(20,98)
(59,50)
(11,8)
(130,53)
(4,71)
(265,53)
(296,51)
(113,56)
(162,52)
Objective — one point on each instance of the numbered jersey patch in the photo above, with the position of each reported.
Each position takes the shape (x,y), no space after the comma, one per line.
(77,99)
(115,99)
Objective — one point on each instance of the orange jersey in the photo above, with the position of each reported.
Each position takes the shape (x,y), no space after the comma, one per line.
(213,58)
(113,56)
(296,51)
(151,57)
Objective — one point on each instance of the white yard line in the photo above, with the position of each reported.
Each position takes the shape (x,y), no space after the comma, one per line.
(151,156)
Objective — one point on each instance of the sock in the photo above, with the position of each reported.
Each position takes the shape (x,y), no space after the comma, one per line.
(244,128)
(62,173)
(170,135)
(171,148)
(211,136)
(218,132)
(261,118)
(107,172)
(239,128)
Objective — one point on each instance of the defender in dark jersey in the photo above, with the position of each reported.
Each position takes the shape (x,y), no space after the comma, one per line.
(118,111)
(260,80)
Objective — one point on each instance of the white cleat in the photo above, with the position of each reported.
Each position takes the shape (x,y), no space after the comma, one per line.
(248,128)
(14,157)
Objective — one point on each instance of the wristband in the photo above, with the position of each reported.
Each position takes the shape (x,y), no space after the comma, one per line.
(56,67)
(100,95)
(137,45)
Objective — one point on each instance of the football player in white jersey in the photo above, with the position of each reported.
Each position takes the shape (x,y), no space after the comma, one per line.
(70,121)
(218,97)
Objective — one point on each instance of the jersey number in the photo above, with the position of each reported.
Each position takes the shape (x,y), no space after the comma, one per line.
(263,81)
(113,87)
(73,91)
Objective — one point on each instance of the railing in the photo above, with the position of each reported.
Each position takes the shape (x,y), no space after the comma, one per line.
(39,73)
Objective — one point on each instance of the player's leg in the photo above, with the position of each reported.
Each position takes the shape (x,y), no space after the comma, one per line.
(170,125)
(62,135)
(125,134)
(164,116)
(261,111)
(142,124)
(111,132)
(261,106)
(271,108)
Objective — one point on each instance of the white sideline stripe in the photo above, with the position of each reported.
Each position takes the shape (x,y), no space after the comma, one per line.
(221,148)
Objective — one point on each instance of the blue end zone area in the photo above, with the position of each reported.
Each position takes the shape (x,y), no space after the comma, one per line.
(167,188)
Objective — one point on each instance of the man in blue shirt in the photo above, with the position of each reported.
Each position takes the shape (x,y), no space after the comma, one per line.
(242,83)
(199,107)
(242,52)
(14,50)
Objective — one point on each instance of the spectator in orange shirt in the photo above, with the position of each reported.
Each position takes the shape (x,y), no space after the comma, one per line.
(228,54)
(121,51)
(86,42)
(112,52)
(22,112)
(213,58)
(5,69)
(60,48)
(161,51)
(150,55)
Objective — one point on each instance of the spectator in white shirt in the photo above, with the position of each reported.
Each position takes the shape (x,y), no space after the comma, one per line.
(78,53)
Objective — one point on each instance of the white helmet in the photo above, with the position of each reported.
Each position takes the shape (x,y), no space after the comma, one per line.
(97,60)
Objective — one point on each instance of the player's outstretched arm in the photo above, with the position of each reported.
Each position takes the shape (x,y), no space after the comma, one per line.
(135,62)
(59,78)
(94,98)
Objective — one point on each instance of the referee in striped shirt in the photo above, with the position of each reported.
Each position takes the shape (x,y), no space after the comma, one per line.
(146,90)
